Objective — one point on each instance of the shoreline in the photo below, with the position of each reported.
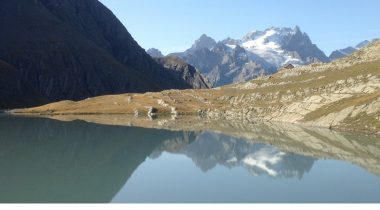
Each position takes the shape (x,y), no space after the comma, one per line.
(82,116)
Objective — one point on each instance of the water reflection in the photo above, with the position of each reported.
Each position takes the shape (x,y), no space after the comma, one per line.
(210,149)
(46,160)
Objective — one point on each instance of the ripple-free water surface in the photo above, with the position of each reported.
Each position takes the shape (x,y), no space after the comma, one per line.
(44,160)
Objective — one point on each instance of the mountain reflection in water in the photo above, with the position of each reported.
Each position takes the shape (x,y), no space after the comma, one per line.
(46,160)
(208,149)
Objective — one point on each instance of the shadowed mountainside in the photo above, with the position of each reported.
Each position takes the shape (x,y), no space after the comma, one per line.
(13,91)
(74,49)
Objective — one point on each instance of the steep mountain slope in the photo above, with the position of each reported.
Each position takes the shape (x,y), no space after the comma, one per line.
(191,75)
(155,53)
(74,49)
(203,42)
(348,50)
(188,72)
(257,53)
(222,65)
(13,92)
(342,94)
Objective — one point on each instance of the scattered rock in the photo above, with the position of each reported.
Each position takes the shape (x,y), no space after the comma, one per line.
(129,99)
(162,103)
(174,110)
(152,111)
(136,112)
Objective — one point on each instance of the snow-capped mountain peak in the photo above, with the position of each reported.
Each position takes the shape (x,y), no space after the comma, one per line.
(257,53)
(271,43)
(273,34)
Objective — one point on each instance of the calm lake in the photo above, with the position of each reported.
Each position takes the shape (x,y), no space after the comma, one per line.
(55,161)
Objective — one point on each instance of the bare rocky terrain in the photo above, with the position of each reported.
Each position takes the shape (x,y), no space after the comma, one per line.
(343,94)
(189,73)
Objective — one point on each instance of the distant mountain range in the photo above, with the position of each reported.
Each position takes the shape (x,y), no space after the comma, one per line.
(257,53)
(53,50)
(341,53)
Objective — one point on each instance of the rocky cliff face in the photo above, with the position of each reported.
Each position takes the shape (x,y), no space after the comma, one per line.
(155,53)
(74,49)
(342,94)
(257,53)
(188,73)
(204,42)
(184,70)
(222,65)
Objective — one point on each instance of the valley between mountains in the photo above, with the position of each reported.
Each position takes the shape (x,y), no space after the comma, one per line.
(343,94)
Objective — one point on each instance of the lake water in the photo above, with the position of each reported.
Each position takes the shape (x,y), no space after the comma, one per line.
(46,160)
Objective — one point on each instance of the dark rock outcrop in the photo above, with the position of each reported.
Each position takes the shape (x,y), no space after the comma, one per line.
(301,44)
(74,49)
(188,73)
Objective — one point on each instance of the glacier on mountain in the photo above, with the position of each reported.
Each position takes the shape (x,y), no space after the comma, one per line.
(257,53)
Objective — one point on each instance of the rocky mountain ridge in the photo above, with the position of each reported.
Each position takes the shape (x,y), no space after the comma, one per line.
(342,94)
(189,73)
(341,53)
(155,53)
(257,53)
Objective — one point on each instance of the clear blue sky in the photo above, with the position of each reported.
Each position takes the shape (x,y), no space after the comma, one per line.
(173,25)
